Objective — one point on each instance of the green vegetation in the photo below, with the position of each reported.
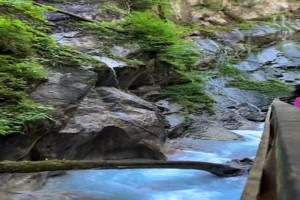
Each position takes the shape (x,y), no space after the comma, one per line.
(229,70)
(213,29)
(161,38)
(124,7)
(18,70)
(25,48)
(190,94)
(151,32)
(164,38)
(247,25)
(182,55)
(114,9)
(16,37)
(23,7)
(165,41)
(272,87)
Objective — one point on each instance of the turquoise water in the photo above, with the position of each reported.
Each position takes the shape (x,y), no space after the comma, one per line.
(164,184)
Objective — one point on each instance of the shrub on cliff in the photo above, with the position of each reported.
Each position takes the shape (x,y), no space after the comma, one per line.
(15,37)
(164,38)
(19,36)
(165,41)
(25,48)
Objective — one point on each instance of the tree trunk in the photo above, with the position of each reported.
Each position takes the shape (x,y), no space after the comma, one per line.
(222,170)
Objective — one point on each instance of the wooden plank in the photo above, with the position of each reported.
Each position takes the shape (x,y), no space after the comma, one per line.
(287,151)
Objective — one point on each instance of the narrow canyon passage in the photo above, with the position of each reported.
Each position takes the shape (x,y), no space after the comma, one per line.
(162,184)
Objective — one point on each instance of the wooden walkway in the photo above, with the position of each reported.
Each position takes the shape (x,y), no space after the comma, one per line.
(275,173)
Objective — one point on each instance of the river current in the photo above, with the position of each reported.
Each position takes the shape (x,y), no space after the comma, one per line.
(164,184)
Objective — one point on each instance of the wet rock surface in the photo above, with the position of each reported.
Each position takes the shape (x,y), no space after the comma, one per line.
(244,163)
(97,116)
(22,182)
(109,124)
(64,89)
(69,89)
(59,196)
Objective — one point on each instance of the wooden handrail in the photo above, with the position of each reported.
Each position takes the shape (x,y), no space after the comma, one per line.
(275,173)
(252,188)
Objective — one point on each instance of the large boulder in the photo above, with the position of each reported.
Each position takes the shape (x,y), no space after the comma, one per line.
(64,90)
(86,123)
(108,124)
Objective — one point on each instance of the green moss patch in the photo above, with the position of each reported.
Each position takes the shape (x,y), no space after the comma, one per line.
(25,50)
(271,88)
(230,71)
(191,95)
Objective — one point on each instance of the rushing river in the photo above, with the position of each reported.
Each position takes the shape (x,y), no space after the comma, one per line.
(164,184)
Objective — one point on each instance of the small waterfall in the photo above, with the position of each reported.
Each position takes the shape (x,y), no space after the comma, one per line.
(254,106)
(112,64)
(248,46)
(115,76)
(275,22)
(215,45)
(284,24)
(222,54)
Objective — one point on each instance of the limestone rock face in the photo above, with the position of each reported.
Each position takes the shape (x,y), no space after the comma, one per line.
(109,124)
(87,123)
(64,89)
(68,85)
(209,10)
(253,9)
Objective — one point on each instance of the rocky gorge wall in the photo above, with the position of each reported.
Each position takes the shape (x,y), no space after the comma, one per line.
(222,11)
(117,110)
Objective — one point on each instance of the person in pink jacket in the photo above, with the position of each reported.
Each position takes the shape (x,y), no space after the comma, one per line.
(297,102)
(296,96)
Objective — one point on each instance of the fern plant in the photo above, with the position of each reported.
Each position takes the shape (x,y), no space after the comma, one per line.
(24,48)
(163,37)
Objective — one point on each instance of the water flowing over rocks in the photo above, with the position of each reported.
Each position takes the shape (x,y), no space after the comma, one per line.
(232,110)
(75,92)
(116,110)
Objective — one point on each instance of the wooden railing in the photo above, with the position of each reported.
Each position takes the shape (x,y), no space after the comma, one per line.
(275,173)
